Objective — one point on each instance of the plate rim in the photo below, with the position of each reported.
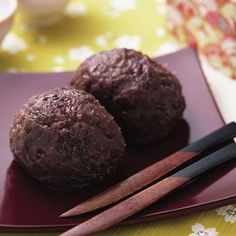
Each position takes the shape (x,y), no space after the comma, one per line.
(181,211)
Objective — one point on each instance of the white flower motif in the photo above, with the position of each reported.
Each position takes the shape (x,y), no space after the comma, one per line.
(116,7)
(30,57)
(75,9)
(166,48)
(12,70)
(127,41)
(161,1)
(109,34)
(161,9)
(101,41)
(41,39)
(27,28)
(58,69)
(59,60)
(111,12)
(199,230)
(229,212)
(80,54)
(121,5)
(160,32)
(13,44)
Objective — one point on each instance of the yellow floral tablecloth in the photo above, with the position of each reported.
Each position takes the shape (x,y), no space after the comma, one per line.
(90,26)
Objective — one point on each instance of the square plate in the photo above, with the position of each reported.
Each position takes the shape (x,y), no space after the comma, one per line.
(26,205)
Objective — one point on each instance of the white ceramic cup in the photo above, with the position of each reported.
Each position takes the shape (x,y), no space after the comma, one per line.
(7,11)
(41,12)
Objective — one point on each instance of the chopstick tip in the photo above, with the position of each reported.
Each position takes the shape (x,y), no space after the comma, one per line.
(73,212)
(65,214)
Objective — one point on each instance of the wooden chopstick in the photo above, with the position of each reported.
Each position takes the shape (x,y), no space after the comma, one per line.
(153,193)
(153,172)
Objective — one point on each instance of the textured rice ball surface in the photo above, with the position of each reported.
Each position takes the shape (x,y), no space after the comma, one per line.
(143,96)
(66,139)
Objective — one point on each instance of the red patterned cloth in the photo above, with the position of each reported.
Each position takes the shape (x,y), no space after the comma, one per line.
(209,26)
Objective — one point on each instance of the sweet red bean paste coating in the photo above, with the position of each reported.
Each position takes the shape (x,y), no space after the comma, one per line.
(65,139)
(143,96)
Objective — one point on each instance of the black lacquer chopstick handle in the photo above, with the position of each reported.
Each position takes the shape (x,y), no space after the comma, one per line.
(154,172)
(225,154)
(151,194)
(220,135)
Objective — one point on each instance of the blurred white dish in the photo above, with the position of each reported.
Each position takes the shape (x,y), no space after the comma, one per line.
(42,12)
(7,11)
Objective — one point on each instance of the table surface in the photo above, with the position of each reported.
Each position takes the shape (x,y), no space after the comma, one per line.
(89,26)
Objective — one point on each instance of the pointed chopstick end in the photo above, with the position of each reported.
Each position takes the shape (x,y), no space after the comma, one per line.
(67,214)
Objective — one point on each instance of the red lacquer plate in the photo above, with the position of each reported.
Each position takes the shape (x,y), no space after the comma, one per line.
(26,205)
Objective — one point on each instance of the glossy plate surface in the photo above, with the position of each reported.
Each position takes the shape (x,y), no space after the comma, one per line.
(26,205)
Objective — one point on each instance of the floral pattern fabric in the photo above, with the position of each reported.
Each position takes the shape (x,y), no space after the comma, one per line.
(228,212)
(209,26)
(199,230)
(86,27)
